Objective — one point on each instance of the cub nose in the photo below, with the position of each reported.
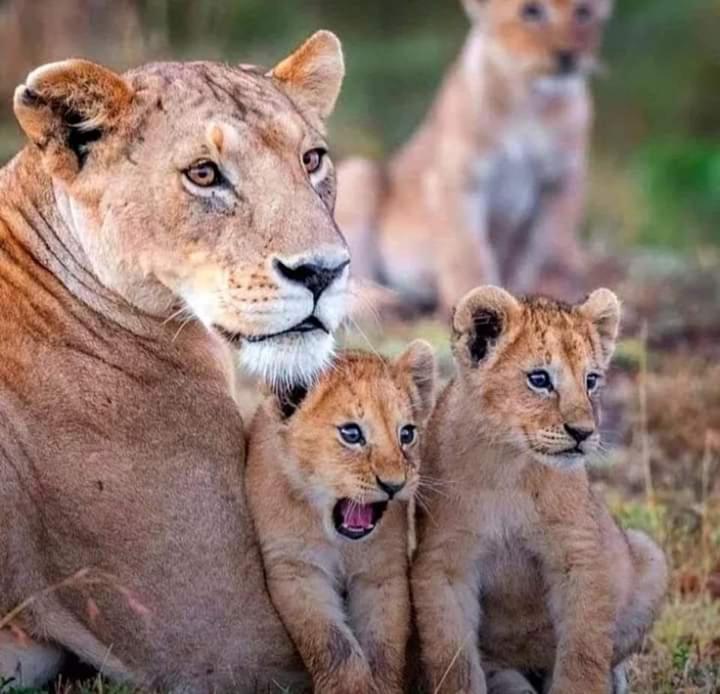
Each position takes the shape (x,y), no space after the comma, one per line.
(314,277)
(566,61)
(391,488)
(579,434)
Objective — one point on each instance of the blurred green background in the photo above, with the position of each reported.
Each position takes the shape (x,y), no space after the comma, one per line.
(656,155)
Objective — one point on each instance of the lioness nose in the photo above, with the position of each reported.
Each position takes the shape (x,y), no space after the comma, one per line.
(391,488)
(580,434)
(566,61)
(312,276)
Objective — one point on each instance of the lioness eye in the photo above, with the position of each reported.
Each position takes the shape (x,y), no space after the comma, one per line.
(351,434)
(592,381)
(540,380)
(313,158)
(533,12)
(583,13)
(408,433)
(203,174)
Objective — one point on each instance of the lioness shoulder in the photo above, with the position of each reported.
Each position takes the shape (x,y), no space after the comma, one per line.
(329,475)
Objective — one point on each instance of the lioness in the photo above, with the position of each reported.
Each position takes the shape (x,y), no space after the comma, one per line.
(491,186)
(156,219)
(520,569)
(325,482)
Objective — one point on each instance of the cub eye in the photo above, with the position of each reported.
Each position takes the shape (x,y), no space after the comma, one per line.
(408,434)
(203,174)
(532,12)
(592,381)
(313,159)
(540,380)
(583,13)
(351,434)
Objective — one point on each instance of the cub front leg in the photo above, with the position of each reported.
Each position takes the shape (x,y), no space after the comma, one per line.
(447,603)
(379,606)
(311,610)
(582,605)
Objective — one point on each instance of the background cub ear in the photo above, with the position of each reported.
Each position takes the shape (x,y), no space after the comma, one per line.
(313,74)
(418,361)
(474,8)
(63,107)
(602,308)
(479,320)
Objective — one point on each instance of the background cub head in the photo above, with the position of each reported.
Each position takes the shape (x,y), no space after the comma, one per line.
(355,437)
(204,189)
(535,367)
(543,38)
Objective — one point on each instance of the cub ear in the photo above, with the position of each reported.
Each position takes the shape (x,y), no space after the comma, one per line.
(602,308)
(418,361)
(479,320)
(65,106)
(313,74)
(474,8)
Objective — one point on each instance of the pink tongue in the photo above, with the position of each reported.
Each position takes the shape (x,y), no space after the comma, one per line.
(356,515)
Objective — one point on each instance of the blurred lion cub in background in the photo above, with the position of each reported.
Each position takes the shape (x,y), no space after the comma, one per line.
(491,187)
(327,473)
(521,573)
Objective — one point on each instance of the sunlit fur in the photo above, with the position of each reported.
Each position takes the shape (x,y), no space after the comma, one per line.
(345,602)
(520,569)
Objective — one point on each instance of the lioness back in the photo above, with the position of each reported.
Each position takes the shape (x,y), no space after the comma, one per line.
(329,477)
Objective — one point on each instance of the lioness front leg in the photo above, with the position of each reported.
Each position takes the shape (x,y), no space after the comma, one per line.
(582,605)
(446,599)
(311,609)
(25,663)
(379,605)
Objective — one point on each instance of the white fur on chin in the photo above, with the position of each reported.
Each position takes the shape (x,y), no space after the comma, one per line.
(290,360)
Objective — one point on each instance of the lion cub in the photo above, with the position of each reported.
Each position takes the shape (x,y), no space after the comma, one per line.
(326,480)
(521,573)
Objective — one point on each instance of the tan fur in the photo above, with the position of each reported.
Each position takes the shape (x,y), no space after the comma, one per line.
(519,565)
(491,186)
(346,603)
(121,446)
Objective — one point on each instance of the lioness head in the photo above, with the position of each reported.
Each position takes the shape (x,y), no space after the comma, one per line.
(535,366)
(207,188)
(354,438)
(543,38)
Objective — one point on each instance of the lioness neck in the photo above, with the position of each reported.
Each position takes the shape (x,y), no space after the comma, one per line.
(39,244)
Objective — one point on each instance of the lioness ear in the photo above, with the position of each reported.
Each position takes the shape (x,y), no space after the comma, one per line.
(65,106)
(419,362)
(313,74)
(480,318)
(602,308)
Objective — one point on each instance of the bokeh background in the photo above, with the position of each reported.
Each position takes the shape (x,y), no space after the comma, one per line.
(652,227)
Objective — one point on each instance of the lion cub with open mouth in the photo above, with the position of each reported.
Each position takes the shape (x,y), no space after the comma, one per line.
(327,475)
(521,577)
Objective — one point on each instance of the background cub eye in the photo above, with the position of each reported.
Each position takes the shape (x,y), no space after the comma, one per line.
(203,174)
(313,158)
(592,381)
(583,13)
(532,12)
(351,434)
(540,379)
(408,434)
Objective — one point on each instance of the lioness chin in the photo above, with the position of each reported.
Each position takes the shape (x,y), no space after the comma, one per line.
(155,220)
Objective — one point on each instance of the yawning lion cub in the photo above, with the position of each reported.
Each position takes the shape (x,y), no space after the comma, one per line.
(325,483)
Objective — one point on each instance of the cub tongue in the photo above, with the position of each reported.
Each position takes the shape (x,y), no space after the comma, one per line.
(356,515)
